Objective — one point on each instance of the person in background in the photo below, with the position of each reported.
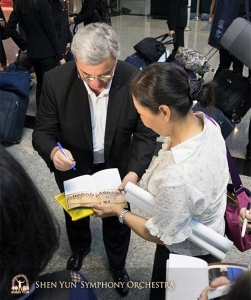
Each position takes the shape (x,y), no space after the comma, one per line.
(226,58)
(57,15)
(92,11)
(177,22)
(42,44)
(3,58)
(29,236)
(211,10)
(186,183)
(92,115)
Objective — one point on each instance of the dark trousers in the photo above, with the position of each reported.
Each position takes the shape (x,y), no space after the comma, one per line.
(42,65)
(116,236)
(226,59)
(159,270)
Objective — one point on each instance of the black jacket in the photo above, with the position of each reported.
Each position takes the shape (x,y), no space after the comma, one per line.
(41,37)
(177,14)
(64,115)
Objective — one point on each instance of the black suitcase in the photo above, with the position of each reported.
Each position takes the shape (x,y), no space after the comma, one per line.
(233,95)
(13,110)
(225,123)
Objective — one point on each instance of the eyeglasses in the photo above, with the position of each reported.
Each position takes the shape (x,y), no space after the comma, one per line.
(91,78)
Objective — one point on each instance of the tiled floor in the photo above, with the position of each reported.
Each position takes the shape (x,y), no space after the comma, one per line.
(130,30)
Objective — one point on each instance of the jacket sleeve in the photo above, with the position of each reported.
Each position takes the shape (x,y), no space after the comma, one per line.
(11,31)
(143,147)
(86,11)
(46,131)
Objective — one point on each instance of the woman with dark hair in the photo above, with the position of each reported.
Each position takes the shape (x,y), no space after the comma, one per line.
(42,44)
(190,175)
(28,233)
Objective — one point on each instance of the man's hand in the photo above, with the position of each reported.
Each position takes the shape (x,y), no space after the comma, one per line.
(171,32)
(242,216)
(130,177)
(71,20)
(60,162)
(214,284)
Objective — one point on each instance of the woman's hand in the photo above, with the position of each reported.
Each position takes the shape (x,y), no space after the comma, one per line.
(106,210)
(219,281)
(242,216)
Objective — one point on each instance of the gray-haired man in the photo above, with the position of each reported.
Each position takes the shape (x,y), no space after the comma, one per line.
(87,106)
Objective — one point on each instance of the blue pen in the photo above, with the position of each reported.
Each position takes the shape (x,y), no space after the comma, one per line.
(62,150)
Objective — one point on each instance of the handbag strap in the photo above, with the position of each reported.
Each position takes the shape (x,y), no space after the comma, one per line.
(236,180)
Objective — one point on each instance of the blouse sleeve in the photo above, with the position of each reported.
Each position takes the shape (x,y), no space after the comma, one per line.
(175,207)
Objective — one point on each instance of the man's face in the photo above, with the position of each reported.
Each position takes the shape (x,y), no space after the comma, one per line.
(97,76)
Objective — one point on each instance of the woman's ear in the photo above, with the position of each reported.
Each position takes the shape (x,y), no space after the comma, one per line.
(165,112)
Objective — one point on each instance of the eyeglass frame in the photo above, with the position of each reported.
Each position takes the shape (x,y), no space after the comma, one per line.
(91,78)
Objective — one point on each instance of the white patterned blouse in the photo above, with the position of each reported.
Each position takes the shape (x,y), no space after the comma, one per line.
(189,182)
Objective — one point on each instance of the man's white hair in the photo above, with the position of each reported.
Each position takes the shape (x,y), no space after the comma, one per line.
(95,42)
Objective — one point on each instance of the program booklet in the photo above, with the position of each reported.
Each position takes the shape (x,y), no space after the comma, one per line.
(101,187)
(190,275)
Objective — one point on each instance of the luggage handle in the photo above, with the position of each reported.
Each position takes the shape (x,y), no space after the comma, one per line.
(164,37)
(208,56)
(17,62)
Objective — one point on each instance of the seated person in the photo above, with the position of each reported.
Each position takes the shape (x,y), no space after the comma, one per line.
(29,237)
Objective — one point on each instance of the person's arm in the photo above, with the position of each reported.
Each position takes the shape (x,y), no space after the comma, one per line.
(11,31)
(85,13)
(214,284)
(46,132)
(135,222)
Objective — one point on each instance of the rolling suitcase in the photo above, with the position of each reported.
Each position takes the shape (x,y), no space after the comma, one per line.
(13,108)
(237,40)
